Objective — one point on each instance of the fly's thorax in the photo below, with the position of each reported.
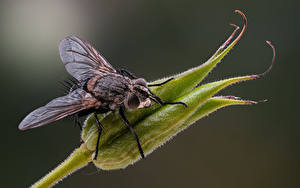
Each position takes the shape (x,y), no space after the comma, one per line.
(112,88)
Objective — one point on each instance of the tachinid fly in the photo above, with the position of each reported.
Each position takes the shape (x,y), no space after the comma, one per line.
(100,89)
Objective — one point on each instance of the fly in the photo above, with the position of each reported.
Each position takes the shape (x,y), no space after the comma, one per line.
(100,89)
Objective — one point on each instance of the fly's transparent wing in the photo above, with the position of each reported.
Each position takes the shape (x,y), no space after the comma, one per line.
(57,109)
(82,60)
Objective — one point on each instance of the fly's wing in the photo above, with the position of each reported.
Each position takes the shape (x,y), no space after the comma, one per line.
(58,108)
(81,60)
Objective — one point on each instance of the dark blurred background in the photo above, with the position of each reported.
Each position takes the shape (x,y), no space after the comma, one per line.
(255,146)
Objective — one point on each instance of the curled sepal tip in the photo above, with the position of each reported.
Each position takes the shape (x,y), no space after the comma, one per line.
(272,63)
(236,27)
(227,46)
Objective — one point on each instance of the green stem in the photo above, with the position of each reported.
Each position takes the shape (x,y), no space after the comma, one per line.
(79,158)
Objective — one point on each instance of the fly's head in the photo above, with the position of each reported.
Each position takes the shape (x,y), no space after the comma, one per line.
(139,97)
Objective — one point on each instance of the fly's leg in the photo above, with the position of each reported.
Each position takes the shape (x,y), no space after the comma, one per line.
(160,84)
(126,122)
(158,100)
(99,134)
(77,122)
(125,72)
(172,103)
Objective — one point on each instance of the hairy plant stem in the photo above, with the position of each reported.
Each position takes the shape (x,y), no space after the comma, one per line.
(78,159)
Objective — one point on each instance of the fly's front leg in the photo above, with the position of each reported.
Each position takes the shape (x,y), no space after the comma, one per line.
(160,84)
(172,103)
(99,134)
(126,122)
(158,100)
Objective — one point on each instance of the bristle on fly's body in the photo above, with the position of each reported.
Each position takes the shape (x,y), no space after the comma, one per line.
(69,85)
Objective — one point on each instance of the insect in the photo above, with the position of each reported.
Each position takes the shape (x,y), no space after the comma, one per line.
(100,88)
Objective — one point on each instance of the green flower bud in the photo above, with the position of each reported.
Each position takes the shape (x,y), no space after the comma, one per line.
(157,124)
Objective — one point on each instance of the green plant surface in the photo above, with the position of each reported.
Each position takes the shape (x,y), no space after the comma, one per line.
(157,124)
(78,159)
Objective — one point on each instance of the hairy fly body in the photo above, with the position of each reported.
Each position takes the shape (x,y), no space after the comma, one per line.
(100,89)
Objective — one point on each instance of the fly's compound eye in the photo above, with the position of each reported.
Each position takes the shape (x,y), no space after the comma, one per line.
(132,101)
(141,82)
